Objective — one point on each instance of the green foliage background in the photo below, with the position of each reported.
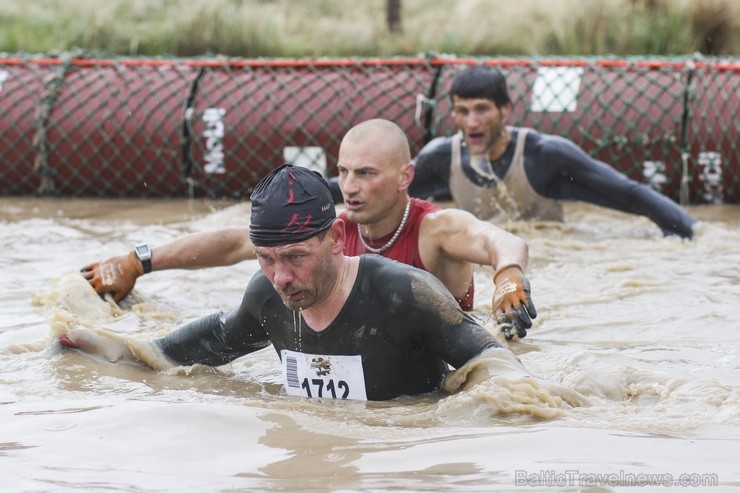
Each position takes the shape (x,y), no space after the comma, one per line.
(319,28)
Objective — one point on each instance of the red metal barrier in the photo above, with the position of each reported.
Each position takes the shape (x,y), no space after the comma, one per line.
(248,119)
(713,134)
(169,128)
(116,130)
(22,89)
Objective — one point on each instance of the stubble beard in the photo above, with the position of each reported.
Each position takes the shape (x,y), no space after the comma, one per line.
(325,277)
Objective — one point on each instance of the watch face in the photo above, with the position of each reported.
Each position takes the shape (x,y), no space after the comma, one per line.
(142,250)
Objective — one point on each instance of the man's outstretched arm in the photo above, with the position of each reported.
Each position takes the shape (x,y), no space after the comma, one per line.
(117,275)
(463,237)
(578,176)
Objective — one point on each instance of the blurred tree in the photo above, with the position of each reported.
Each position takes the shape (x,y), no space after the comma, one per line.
(393,15)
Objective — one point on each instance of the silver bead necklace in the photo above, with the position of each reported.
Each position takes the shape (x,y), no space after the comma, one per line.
(393,238)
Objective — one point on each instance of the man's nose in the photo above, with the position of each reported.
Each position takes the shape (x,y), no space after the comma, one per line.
(471,119)
(348,184)
(283,274)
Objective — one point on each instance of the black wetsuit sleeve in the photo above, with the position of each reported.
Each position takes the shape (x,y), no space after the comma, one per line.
(563,171)
(432,315)
(432,171)
(336,192)
(456,339)
(218,338)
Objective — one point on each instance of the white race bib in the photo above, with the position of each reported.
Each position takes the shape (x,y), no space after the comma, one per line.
(331,377)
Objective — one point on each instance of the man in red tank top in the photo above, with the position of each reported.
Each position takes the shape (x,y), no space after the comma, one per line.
(375,171)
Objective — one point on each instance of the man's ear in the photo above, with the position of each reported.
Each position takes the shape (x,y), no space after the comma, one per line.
(337,236)
(505,110)
(407,175)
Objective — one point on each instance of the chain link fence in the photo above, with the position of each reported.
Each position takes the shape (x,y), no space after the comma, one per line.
(80,127)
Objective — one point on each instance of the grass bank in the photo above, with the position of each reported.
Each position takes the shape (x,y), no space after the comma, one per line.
(315,28)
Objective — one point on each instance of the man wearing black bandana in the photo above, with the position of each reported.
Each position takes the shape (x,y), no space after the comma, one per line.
(497,172)
(362,327)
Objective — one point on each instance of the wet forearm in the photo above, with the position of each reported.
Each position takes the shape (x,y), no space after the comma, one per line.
(208,249)
(508,250)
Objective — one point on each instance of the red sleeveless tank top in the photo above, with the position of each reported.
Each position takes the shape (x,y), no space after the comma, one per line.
(406,247)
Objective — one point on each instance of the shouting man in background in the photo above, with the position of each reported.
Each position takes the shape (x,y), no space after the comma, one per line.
(500,172)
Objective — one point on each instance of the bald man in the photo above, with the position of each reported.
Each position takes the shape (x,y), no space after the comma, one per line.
(375,172)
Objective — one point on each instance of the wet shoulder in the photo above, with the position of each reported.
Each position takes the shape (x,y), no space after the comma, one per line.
(399,286)
(548,146)
(437,148)
(423,207)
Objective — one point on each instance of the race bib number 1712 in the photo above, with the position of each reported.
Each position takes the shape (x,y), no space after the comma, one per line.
(330,377)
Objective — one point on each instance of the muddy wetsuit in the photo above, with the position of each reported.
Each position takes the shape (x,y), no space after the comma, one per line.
(406,247)
(553,168)
(400,323)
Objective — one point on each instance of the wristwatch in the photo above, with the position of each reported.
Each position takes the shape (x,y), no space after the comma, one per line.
(144,253)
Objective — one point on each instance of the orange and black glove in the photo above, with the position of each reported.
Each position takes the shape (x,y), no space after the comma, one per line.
(512,302)
(116,276)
